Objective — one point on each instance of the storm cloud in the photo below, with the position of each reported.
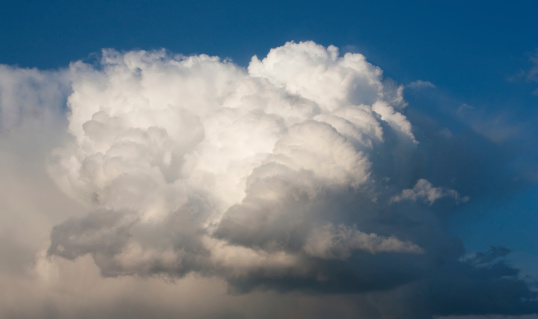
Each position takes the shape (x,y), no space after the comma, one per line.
(299,176)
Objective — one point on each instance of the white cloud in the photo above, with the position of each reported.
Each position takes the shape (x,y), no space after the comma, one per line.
(169,140)
(424,190)
(214,177)
(419,84)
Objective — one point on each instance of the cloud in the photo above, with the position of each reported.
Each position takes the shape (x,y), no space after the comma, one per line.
(532,74)
(292,175)
(419,84)
(216,152)
(331,242)
(424,190)
(529,74)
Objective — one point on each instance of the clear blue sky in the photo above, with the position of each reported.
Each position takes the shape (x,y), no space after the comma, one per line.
(477,53)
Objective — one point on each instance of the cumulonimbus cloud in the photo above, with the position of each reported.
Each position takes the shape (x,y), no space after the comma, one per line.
(175,153)
(296,173)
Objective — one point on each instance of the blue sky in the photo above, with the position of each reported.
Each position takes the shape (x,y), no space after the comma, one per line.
(477,60)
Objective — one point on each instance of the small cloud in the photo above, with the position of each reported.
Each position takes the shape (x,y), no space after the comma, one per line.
(421,84)
(529,74)
(425,191)
(532,74)
(465,108)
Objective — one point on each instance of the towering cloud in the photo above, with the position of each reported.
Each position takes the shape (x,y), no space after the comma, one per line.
(180,158)
(300,173)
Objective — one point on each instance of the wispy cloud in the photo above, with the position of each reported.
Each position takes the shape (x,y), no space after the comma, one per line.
(419,84)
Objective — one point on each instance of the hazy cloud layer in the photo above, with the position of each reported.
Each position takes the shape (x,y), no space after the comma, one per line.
(301,173)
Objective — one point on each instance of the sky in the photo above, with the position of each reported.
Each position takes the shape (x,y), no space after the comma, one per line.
(240,159)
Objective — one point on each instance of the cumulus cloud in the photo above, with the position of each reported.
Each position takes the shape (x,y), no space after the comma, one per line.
(195,147)
(289,175)
(425,191)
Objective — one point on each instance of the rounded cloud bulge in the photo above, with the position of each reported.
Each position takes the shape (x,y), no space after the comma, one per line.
(301,172)
(181,159)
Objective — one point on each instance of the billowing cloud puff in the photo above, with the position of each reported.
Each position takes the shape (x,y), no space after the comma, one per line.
(301,172)
(178,156)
